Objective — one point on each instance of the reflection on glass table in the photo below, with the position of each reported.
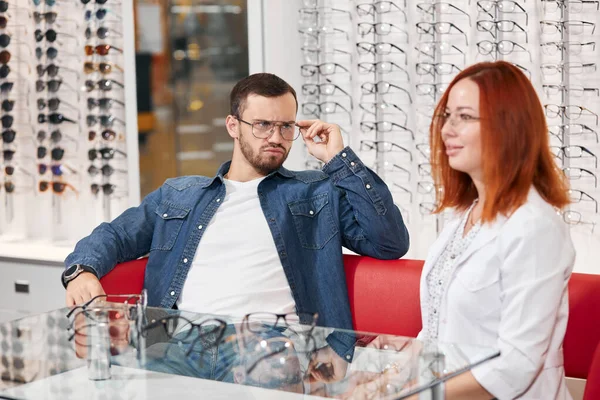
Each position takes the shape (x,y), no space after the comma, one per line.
(155,353)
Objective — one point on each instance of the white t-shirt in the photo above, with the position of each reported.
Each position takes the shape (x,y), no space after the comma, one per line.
(236,269)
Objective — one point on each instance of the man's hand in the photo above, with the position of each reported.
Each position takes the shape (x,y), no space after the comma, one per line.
(329,138)
(83,288)
(327,366)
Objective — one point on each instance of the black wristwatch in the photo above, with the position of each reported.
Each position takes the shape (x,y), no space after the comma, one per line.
(73,272)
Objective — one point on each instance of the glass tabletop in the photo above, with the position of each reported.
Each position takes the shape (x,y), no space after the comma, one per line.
(124,351)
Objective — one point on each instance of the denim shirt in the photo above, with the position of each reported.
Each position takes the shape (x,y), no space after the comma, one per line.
(311,215)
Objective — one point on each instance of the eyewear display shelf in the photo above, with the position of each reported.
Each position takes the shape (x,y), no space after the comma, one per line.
(69,136)
(378,68)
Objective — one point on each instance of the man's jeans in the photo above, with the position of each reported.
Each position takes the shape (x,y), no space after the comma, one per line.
(207,360)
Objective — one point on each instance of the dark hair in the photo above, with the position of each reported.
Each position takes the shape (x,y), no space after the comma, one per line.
(261,84)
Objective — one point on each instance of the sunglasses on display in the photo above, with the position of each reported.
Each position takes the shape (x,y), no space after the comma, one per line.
(103,67)
(53,104)
(56,153)
(57,187)
(52,70)
(106,134)
(55,118)
(48,2)
(103,84)
(107,121)
(100,14)
(106,188)
(50,35)
(4,71)
(9,135)
(8,154)
(51,53)
(48,17)
(5,56)
(105,153)
(102,33)
(55,136)
(381,29)
(101,49)
(53,85)
(56,169)
(104,103)
(9,187)
(106,170)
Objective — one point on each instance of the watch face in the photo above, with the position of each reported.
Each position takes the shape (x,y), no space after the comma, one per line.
(70,271)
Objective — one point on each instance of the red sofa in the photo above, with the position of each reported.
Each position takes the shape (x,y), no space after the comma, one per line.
(395,284)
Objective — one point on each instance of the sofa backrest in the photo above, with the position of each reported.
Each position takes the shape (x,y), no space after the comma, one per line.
(384,298)
(384,295)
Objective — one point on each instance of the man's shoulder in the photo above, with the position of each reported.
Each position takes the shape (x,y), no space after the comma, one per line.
(185,182)
(310,176)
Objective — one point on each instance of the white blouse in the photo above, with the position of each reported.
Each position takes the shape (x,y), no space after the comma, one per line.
(439,276)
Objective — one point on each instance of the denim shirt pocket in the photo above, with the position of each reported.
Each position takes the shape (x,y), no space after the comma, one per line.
(168,224)
(314,221)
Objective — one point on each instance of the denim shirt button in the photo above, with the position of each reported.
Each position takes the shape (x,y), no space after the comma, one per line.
(165,215)
(348,356)
(368,186)
(218,200)
(200,227)
(311,212)
(344,155)
(353,163)
(185,260)
(172,293)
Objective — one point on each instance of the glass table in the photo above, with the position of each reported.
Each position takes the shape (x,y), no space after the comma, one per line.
(126,352)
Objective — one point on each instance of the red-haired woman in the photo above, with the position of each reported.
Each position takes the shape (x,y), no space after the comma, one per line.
(497,275)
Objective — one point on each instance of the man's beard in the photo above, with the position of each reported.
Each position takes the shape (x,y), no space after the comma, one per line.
(262,163)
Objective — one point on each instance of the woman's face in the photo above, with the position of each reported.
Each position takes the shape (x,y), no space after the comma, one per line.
(461,129)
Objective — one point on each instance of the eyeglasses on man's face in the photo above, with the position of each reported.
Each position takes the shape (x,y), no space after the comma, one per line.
(263,129)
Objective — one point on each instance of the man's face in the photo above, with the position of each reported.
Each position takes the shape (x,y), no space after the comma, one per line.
(266,155)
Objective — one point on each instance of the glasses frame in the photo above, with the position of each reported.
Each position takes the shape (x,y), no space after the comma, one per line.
(272,131)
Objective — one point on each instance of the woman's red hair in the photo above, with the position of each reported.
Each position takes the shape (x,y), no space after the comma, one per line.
(514,141)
